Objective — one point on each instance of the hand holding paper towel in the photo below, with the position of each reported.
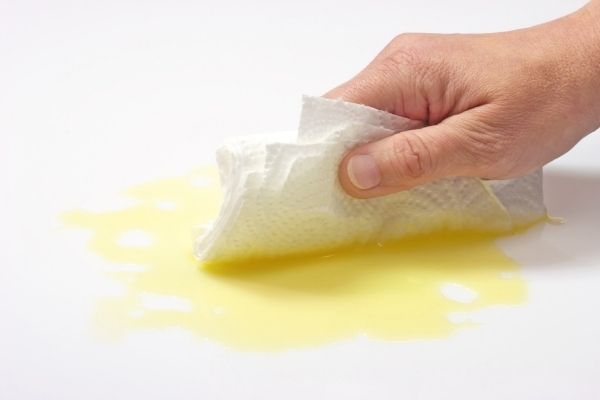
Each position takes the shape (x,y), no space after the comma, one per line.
(282,195)
(495,105)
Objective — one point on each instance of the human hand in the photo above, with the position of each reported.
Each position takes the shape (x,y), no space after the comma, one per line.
(495,105)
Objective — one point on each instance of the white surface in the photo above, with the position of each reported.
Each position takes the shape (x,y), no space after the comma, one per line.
(96,96)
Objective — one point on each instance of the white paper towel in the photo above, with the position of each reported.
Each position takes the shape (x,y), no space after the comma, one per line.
(282,195)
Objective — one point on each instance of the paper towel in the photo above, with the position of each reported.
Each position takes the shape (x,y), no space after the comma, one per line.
(282,195)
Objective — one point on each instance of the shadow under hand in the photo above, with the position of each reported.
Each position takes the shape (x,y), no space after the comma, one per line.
(572,195)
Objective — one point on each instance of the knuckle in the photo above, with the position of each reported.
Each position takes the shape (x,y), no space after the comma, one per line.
(405,50)
(402,58)
(416,54)
(410,157)
(407,39)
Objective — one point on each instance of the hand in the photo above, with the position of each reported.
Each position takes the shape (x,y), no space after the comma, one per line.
(495,105)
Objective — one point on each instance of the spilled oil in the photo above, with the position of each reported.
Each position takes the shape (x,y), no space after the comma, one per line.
(407,290)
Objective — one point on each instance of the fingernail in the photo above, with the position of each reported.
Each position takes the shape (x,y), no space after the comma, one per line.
(363,172)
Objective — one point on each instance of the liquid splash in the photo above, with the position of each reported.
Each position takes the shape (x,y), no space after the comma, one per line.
(408,290)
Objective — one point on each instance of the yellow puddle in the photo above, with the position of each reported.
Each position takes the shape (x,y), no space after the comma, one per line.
(408,290)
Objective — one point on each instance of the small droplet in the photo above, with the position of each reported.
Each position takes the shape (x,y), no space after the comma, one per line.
(135,238)
(458,293)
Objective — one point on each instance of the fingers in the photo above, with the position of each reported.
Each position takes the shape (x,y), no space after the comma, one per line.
(370,89)
(406,160)
(390,79)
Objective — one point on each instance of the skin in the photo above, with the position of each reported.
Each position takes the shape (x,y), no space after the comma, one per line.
(493,105)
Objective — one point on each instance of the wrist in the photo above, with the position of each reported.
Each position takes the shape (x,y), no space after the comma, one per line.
(585,48)
(587,22)
(569,48)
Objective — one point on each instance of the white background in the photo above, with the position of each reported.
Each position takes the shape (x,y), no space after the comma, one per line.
(97,96)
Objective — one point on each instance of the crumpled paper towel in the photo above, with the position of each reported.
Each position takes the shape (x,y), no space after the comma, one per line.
(282,195)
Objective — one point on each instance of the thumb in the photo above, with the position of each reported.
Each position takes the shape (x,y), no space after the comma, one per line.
(405,160)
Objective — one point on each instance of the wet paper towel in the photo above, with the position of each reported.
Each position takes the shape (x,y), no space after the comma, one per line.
(282,195)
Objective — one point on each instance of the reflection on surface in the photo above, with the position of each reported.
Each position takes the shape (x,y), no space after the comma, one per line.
(408,290)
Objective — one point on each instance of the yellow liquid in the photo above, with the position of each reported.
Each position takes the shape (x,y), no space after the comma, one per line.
(394,292)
